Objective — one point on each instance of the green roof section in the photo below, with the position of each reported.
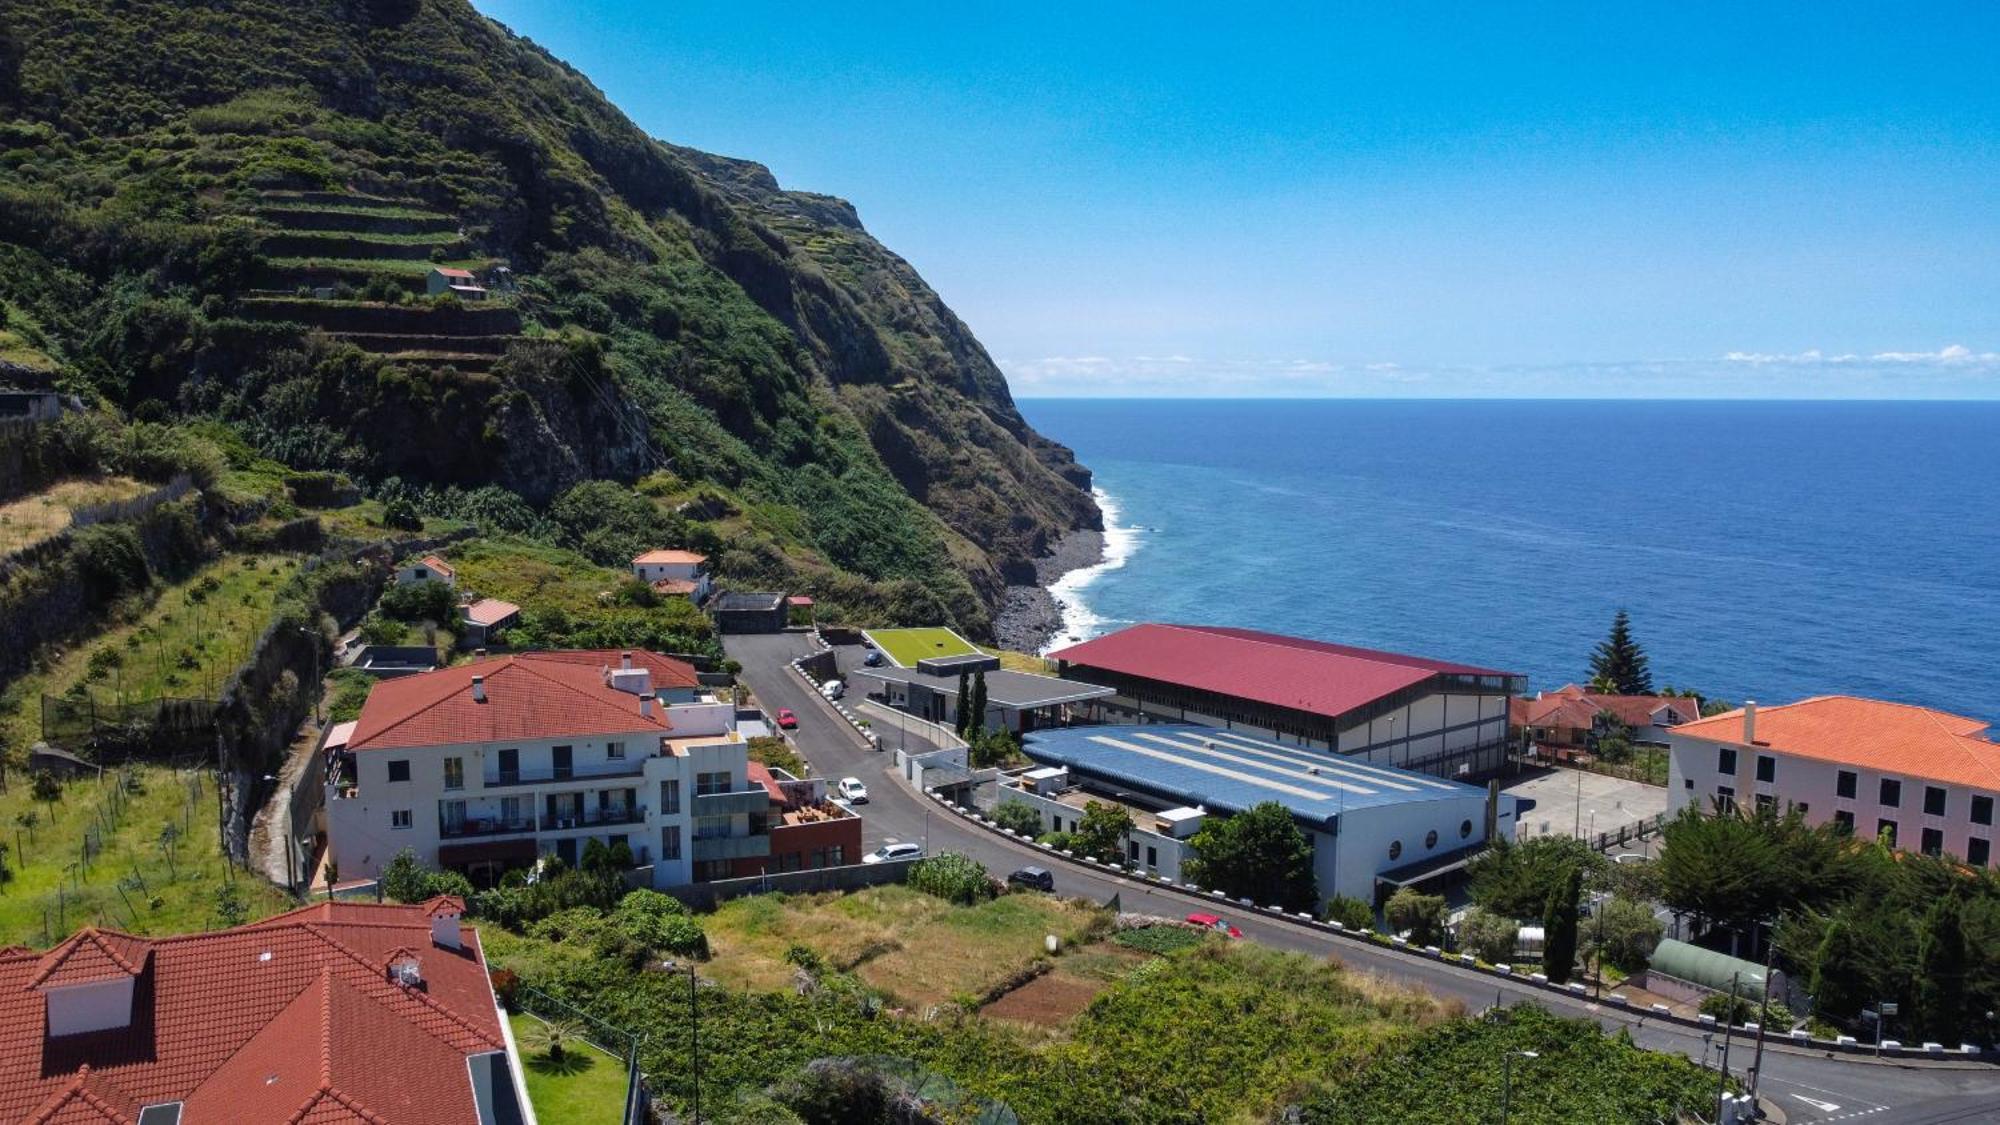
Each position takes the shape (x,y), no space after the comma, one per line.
(906,647)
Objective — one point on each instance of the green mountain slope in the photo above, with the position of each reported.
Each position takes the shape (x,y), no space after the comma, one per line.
(228,209)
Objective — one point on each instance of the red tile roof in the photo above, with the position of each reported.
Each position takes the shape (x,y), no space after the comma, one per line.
(760,774)
(528,695)
(292,1019)
(1311,676)
(490,612)
(1575,708)
(448,271)
(670,556)
(1894,738)
(439,565)
(89,955)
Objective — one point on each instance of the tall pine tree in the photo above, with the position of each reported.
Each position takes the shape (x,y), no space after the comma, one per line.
(1559,920)
(964,703)
(978,721)
(1619,662)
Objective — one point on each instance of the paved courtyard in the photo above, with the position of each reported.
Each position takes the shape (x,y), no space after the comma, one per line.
(1579,803)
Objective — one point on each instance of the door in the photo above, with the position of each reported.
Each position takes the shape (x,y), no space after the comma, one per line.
(566,851)
(510,766)
(454,817)
(562,762)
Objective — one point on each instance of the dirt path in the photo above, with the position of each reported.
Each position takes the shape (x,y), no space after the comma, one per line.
(273,823)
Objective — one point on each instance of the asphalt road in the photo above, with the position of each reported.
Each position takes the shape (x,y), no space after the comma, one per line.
(1807,1085)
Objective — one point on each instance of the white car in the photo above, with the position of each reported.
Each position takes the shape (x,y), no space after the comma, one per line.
(833,689)
(851,789)
(893,851)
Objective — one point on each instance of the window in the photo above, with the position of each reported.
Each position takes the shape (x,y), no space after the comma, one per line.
(1933,800)
(1801,806)
(670,842)
(1766,802)
(1152,856)
(1843,785)
(614,750)
(711,827)
(564,761)
(510,766)
(1845,819)
(1891,793)
(1885,831)
(1933,841)
(1464,829)
(399,769)
(706,783)
(1725,798)
(510,810)
(454,773)
(1687,783)
(1395,849)
(1767,768)
(670,797)
(1725,761)
(1978,851)
(1431,839)
(1982,810)
(452,813)
(399,818)
(1132,849)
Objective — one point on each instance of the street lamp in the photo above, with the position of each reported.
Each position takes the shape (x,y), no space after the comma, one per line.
(1507,1079)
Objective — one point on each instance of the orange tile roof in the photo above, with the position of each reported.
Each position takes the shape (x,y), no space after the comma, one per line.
(439,565)
(292,1019)
(528,695)
(1896,738)
(490,611)
(1572,706)
(670,556)
(450,271)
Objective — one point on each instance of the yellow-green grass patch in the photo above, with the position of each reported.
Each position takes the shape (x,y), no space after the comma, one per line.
(585,1087)
(32,519)
(908,646)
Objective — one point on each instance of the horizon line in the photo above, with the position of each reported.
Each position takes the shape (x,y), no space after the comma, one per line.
(1501,398)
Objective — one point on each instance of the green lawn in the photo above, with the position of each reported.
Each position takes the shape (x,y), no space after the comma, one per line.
(907,646)
(586,1088)
(362,267)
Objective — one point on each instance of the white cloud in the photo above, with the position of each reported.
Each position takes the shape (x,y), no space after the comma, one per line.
(1953,354)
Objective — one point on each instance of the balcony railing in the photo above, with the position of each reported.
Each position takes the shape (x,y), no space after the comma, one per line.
(591,818)
(629,767)
(731,847)
(755,799)
(484,826)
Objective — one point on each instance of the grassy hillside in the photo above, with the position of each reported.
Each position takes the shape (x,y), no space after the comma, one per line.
(165,167)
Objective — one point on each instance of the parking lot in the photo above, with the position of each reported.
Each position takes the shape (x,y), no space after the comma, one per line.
(1580,803)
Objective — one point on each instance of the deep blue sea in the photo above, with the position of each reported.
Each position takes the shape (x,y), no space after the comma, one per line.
(1765,550)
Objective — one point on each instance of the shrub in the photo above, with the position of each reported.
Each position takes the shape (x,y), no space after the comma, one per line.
(406,879)
(1625,933)
(954,878)
(1018,816)
(1489,936)
(1160,939)
(401,515)
(660,922)
(1350,912)
(1420,914)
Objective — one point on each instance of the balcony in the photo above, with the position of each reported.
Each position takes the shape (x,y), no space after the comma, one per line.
(627,767)
(484,826)
(755,799)
(731,847)
(592,818)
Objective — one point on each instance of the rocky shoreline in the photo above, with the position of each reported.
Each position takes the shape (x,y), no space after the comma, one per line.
(1030,616)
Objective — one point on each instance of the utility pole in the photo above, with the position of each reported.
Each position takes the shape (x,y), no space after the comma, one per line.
(1763,1011)
(1728,1027)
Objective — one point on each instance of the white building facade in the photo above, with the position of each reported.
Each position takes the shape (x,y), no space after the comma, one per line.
(1921,779)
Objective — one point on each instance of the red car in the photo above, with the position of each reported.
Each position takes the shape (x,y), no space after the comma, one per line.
(787,720)
(1213,922)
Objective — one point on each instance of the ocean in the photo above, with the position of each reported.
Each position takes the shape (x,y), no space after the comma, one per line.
(1765,550)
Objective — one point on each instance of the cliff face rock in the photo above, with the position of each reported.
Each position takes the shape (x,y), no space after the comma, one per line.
(706,319)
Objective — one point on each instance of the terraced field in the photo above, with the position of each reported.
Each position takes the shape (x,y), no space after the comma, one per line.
(320,247)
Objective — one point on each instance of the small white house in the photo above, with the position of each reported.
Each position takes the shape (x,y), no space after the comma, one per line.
(430,568)
(674,573)
(459,283)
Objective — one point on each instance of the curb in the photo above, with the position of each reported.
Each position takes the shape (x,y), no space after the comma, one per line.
(1921,1056)
(868,737)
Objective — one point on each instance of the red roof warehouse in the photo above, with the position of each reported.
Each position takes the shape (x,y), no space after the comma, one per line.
(1409,710)
(337,1012)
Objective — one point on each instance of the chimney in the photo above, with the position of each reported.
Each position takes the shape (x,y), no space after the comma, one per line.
(1750,721)
(646,704)
(625,659)
(444,926)
(479,689)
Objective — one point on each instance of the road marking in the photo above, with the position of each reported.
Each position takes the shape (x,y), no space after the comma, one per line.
(1823,1107)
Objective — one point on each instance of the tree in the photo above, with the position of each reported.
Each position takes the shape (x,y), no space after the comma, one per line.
(401,515)
(964,702)
(1350,912)
(1101,832)
(1625,933)
(1516,879)
(1489,936)
(332,877)
(1559,921)
(47,789)
(552,1036)
(1258,854)
(1422,916)
(1017,816)
(1941,970)
(1620,662)
(229,905)
(977,723)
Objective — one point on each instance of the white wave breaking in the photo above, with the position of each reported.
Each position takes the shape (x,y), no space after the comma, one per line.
(1079,621)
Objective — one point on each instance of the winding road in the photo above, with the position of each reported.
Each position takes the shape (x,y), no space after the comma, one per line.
(1807,1085)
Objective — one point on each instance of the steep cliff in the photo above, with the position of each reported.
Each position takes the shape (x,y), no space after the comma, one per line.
(231,208)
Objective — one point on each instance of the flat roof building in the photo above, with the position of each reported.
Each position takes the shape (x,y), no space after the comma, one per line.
(1016,701)
(1414,712)
(1373,827)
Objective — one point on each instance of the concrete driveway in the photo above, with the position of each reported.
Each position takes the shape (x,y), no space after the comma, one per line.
(1803,1083)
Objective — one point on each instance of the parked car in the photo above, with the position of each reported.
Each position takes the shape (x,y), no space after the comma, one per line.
(1213,922)
(833,689)
(873,659)
(893,851)
(851,789)
(787,720)
(1036,878)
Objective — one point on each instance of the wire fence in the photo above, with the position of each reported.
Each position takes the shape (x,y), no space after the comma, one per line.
(607,1037)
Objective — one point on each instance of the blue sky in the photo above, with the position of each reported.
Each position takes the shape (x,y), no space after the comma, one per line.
(1598,199)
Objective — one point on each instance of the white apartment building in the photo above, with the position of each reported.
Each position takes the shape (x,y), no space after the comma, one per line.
(488,765)
(1926,780)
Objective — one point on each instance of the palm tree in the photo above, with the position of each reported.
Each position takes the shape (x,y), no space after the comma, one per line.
(551,1036)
